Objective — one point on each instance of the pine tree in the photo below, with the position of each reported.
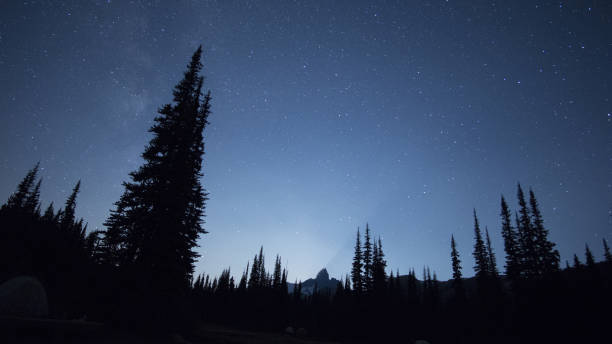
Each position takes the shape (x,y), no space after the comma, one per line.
(347,283)
(49,214)
(18,198)
(456,264)
(529,254)
(32,201)
(242,285)
(590,261)
(547,256)
(480,252)
(258,271)
(356,271)
(367,261)
(577,264)
(607,254)
(491,255)
(159,216)
(379,276)
(284,288)
(277,275)
(68,215)
(513,259)
(297,291)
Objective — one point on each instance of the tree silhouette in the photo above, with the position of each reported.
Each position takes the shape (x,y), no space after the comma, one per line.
(356,271)
(379,264)
(480,252)
(577,263)
(456,264)
(67,218)
(513,259)
(277,274)
(590,261)
(529,254)
(32,201)
(367,261)
(159,215)
(547,256)
(493,272)
(18,198)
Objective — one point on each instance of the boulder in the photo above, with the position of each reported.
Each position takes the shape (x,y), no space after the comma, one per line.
(289,330)
(23,296)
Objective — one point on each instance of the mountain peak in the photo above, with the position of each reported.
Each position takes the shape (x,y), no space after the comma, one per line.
(323,275)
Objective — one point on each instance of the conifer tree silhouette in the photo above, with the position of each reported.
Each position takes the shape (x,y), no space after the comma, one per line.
(158,218)
(32,201)
(513,259)
(356,271)
(529,253)
(277,274)
(547,257)
(379,264)
(480,252)
(367,261)
(456,265)
(19,197)
(493,272)
(590,261)
(577,263)
(67,218)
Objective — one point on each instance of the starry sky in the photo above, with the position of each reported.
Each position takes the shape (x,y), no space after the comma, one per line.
(326,115)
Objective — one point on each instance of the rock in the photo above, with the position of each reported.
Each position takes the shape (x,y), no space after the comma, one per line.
(23,296)
(421,341)
(301,332)
(289,330)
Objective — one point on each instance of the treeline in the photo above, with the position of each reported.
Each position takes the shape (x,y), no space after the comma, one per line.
(51,245)
(532,300)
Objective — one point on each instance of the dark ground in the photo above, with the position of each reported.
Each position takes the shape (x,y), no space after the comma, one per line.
(35,331)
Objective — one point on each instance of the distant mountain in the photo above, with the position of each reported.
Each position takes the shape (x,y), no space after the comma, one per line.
(322,282)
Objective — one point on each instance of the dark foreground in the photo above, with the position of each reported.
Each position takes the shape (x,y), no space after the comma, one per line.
(35,331)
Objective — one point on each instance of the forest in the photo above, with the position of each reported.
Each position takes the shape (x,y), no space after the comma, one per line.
(138,273)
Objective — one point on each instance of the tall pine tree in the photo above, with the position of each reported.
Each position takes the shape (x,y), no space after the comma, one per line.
(480,252)
(456,264)
(159,217)
(18,198)
(356,271)
(526,237)
(367,261)
(547,257)
(491,255)
(511,245)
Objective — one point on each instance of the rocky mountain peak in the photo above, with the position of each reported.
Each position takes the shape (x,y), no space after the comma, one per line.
(323,275)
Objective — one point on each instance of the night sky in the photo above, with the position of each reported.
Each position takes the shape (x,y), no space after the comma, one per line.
(326,115)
